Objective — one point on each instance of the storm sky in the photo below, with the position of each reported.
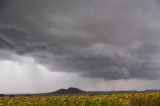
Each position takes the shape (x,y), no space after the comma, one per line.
(46,45)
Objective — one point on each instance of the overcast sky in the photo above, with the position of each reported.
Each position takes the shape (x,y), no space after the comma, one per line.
(46,45)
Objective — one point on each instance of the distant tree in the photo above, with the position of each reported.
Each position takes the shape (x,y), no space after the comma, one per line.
(11,95)
(2,95)
(91,94)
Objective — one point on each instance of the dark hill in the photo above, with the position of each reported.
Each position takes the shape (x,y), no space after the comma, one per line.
(70,90)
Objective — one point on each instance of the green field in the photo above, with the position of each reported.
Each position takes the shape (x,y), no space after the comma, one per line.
(136,99)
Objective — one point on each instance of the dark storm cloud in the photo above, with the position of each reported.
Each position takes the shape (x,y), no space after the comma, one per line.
(18,40)
(115,39)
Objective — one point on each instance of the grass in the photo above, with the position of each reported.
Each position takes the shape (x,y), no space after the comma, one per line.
(136,99)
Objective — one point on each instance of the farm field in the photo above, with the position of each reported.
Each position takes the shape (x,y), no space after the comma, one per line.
(133,99)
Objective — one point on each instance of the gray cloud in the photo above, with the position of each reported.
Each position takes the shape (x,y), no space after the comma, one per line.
(116,39)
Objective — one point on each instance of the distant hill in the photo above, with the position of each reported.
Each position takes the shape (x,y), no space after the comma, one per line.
(73,91)
(76,91)
(70,90)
